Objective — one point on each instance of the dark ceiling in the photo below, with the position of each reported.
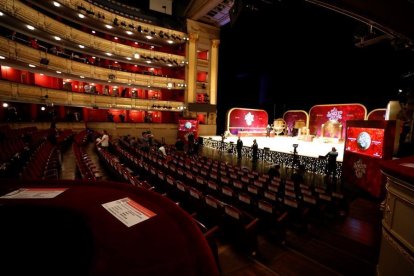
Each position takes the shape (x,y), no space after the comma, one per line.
(396,16)
(292,54)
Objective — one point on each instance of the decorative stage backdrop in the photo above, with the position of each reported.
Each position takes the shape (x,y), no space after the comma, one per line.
(377,114)
(323,114)
(291,116)
(247,121)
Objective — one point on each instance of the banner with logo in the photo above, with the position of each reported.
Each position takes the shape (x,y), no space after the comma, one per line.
(247,120)
(187,127)
(366,144)
(321,114)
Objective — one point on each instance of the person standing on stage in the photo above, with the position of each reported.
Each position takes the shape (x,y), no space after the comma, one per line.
(268,130)
(239,147)
(331,164)
(255,148)
(222,145)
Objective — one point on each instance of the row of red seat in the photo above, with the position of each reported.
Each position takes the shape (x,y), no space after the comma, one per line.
(252,192)
(122,172)
(209,211)
(43,164)
(85,166)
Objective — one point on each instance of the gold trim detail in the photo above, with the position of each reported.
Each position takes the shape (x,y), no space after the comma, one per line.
(215,43)
(193,37)
(397,246)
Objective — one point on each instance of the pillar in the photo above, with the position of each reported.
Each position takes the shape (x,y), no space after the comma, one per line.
(192,68)
(213,70)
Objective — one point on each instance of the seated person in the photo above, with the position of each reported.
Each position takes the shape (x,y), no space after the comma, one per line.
(179,145)
(299,175)
(274,171)
(162,150)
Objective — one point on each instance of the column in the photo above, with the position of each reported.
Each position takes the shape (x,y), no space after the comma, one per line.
(33,112)
(62,113)
(192,68)
(213,70)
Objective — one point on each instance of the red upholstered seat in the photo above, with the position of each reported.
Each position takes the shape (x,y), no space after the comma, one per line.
(79,237)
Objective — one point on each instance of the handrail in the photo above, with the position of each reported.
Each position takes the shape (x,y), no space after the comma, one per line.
(34,94)
(16,51)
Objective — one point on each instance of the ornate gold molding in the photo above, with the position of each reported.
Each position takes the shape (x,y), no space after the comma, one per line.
(396,245)
(205,30)
(215,43)
(193,37)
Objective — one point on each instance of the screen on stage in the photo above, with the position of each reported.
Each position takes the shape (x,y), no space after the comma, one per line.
(366,141)
(187,125)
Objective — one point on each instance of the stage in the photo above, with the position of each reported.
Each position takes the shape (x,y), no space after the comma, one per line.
(284,144)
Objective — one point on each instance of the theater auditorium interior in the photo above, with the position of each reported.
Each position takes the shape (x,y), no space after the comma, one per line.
(194,137)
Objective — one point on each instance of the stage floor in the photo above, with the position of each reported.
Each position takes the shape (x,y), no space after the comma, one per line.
(285,144)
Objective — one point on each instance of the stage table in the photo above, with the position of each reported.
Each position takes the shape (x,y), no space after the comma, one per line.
(251,133)
(73,234)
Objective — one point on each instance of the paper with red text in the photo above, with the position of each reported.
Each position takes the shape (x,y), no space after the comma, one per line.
(35,193)
(128,211)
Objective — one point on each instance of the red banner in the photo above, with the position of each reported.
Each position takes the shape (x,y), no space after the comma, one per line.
(366,144)
(244,119)
(364,172)
(187,126)
(377,114)
(321,114)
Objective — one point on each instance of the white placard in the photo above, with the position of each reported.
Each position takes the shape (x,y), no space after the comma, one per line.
(410,165)
(128,211)
(35,193)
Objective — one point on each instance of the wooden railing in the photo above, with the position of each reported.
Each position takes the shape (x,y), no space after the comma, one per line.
(17,51)
(109,17)
(10,91)
(54,27)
